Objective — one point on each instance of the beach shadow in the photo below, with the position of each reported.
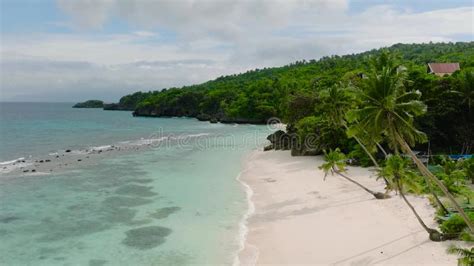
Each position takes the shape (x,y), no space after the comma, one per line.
(276,215)
(380,246)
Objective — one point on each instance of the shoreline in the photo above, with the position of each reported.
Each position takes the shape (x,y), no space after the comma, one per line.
(298,218)
(243,227)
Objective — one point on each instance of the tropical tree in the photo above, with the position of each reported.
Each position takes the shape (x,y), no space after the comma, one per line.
(337,101)
(466,255)
(398,173)
(466,88)
(336,164)
(388,109)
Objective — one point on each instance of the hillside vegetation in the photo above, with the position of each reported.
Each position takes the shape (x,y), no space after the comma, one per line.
(296,94)
(89,104)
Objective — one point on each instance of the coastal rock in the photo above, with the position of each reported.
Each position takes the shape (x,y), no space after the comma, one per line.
(268,147)
(117,107)
(281,140)
(203,117)
(213,120)
(146,237)
(304,151)
(241,120)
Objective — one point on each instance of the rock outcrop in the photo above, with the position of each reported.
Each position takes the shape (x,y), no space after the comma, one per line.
(281,140)
(117,107)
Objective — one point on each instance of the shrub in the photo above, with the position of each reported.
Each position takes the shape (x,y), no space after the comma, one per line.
(361,156)
(455,224)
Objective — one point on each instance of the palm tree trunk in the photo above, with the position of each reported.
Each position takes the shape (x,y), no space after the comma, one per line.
(377,195)
(381,149)
(406,148)
(364,148)
(412,208)
(387,184)
(434,234)
(438,201)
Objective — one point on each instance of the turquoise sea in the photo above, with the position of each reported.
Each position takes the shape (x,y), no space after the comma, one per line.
(170,203)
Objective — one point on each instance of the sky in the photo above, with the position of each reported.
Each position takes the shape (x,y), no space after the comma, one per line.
(74,50)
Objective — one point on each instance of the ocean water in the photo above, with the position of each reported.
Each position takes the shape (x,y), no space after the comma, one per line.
(171,203)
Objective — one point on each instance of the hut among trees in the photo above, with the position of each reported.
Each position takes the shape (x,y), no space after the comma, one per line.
(441,69)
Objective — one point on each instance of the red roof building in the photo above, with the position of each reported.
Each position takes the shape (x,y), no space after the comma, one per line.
(441,69)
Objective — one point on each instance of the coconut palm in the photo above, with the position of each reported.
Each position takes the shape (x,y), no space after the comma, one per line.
(388,109)
(336,164)
(398,173)
(466,255)
(337,104)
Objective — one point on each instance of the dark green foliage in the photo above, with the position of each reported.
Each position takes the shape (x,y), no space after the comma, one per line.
(318,133)
(360,156)
(455,225)
(468,168)
(89,104)
(466,255)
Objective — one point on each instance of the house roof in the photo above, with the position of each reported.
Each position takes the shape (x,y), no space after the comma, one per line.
(443,67)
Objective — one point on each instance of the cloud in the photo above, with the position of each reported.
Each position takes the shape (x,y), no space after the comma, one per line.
(209,39)
(144,33)
(87,13)
(191,18)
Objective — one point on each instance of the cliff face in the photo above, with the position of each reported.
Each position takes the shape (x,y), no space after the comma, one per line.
(89,104)
(117,107)
(213,118)
(127,102)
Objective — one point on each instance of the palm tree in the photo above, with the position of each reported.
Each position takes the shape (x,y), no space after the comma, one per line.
(337,104)
(466,255)
(398,173)
(389,110)
(336,164)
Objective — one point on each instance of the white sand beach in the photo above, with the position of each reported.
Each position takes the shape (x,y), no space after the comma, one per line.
(300,218)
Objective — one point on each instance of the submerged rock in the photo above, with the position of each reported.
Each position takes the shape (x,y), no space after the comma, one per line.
(146,237)
(116,202)
(164,212)
(8,219)
(97,262)
(136,190)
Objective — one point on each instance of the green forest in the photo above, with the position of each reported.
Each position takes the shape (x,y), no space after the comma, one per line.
(298,94)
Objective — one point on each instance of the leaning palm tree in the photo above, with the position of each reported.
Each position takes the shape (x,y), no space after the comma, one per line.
(388,110)
(336,164)
(337,104)
(398,173)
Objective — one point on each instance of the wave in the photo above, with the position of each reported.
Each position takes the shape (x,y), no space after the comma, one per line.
(12,165)
(243,228)
(18,160)
(130,145)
